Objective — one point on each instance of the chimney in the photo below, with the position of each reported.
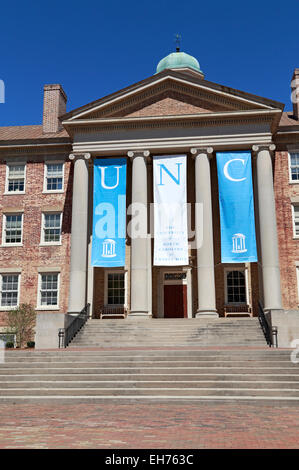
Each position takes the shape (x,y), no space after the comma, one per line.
(295,93)
(54,106)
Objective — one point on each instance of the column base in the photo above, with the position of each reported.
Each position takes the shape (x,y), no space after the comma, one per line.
(206,314)
(139,315)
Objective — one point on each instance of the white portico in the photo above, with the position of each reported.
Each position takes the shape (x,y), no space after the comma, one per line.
(197,118)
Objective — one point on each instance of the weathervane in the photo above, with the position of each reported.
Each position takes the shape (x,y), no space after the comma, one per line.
(178,39)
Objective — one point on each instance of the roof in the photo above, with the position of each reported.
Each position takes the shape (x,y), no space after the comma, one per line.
(177,60)
(28,132)
(192,76)
(288,120)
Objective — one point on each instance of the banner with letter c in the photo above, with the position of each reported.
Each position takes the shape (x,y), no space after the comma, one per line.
(109,212)
(170,211)
(238,241)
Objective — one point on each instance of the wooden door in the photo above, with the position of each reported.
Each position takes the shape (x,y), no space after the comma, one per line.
(175,301)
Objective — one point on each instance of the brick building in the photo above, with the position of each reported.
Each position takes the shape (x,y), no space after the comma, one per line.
(46,187)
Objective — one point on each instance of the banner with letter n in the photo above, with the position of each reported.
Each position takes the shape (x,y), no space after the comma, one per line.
(170,211)
(109,212)
(238,242)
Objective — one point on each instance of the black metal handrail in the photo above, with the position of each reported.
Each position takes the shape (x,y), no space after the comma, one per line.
(265,325)
(66,335)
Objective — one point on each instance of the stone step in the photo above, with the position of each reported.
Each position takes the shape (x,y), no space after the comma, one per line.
(259,353)
(127,362)
(191,370)
(135,376)
(160,392)
(136,384)
(190,344)
(145,364)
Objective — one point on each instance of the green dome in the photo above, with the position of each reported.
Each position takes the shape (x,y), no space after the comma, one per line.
(178,60)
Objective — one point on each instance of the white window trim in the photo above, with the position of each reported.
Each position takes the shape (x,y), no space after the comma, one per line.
(8,164)
(47,307)
(293,220)
(289,165)
(243,269)
(53,191)
(4,225)
(115,271)
(14,273)
(297,274)
(42,241)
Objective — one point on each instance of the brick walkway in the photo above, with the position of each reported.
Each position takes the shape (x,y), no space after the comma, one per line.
(162,425)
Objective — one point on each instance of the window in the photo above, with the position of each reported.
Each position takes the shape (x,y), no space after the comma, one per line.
(9,290)
(116,289)
(294,167)
(295,211)
(51,228)
(48,290)
(54,177)
(235,287)
(12,233)
(15,181)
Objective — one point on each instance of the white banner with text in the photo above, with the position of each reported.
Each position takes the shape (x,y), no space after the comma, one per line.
(170,211)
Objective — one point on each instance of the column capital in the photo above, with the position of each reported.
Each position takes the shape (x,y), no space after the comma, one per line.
(138,153)
(205,150)
(259,148)
(86,156)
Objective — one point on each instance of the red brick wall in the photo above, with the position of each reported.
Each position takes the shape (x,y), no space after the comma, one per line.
(31,255)
(288,246)
(168,106)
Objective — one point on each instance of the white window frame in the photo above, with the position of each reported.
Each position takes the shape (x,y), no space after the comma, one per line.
(243,269)
(289,165)
(8,165)
(54,162)
(4,228)
(116,271)
(7,307)
(39,284)
(42,238)
(297,275)
(293,219)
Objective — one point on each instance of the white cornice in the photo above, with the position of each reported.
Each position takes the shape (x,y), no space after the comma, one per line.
(184,117)
(65,144)
(180,143)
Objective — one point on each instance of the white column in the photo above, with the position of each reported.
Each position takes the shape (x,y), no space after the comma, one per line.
(268,228)
(139,245)
(78,268)
(205,245)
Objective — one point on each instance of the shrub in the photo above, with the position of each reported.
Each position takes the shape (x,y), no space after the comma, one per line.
(9,345)
(21,321)
(30,344)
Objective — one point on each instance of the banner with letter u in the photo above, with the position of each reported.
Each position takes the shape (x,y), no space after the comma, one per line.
(170,211)
(238,242)
(109,212)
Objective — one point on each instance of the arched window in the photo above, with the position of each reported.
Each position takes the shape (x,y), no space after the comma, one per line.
(235,287)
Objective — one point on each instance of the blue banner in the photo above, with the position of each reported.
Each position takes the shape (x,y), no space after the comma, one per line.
(109,212)
(238,243)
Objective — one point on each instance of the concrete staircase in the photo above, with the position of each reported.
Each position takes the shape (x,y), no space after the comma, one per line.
(170,333)
(182,375)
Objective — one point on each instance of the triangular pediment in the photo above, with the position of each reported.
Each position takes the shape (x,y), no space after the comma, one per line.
(170,93)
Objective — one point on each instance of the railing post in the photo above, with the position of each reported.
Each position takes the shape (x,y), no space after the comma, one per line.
(275,336)
(61,336)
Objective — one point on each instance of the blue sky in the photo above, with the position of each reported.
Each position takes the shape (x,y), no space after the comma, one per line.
(94,48)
